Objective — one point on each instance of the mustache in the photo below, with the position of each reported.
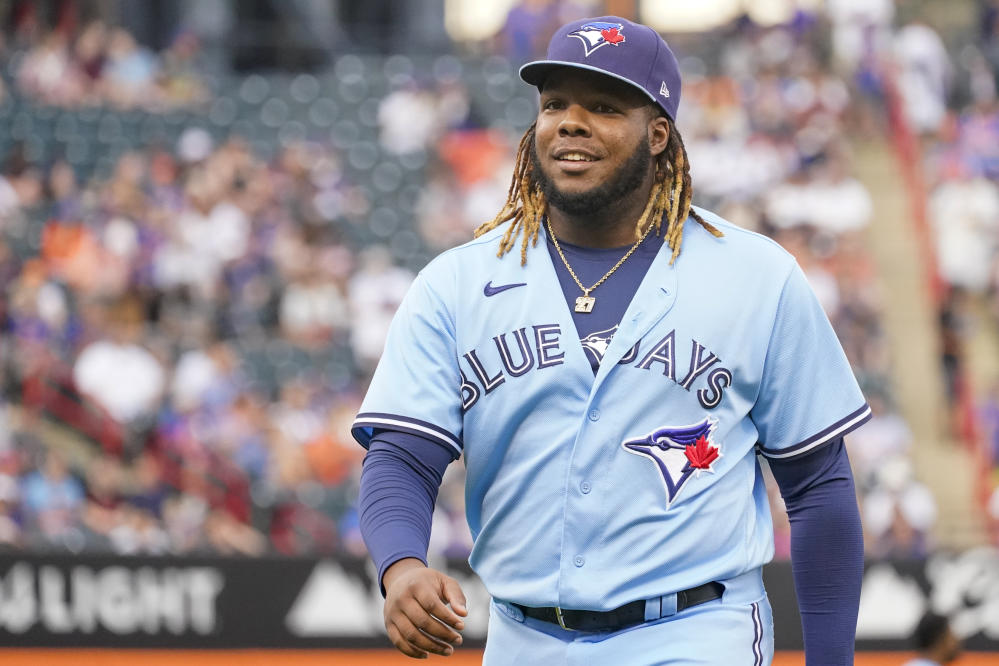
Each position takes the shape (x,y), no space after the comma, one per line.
(622,183)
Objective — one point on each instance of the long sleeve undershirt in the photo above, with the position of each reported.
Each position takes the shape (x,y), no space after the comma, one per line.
(400,477)
(827,549)
(402,474)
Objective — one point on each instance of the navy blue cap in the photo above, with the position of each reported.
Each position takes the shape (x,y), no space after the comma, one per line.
(617,47)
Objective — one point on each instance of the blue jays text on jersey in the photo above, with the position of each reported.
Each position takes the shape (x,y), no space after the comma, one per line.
(539,346)
(592,490)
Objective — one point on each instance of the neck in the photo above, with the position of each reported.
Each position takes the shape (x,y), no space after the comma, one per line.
(610,226)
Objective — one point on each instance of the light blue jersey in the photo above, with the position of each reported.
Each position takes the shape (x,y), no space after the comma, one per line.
(590,492)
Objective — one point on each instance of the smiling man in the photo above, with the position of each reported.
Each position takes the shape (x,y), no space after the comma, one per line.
(610,395)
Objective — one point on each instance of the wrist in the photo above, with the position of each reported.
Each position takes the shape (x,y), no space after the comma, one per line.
(398,568)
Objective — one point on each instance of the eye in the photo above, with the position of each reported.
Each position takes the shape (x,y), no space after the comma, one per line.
(603,107)
(552,105)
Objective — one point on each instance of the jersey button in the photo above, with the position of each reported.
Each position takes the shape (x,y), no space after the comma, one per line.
(585,487)
(578,560)
(594,414)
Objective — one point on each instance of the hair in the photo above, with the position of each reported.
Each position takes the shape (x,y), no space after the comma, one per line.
(930,631)
(670,198)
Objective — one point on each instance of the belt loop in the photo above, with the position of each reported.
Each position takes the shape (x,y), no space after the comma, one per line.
(653,608)
(668,602)
(511,610)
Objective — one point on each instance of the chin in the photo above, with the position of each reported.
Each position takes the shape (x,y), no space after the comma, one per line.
(578,201)
(575,190)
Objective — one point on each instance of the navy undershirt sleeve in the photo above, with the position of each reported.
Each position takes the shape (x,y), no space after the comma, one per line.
(400,477)
(827,549)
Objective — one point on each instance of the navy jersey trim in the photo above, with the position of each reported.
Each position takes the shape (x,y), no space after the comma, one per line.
(757,636)
(368,421)
(843,426)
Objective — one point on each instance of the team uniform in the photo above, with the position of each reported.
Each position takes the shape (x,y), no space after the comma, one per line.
(613,489)
(593,490)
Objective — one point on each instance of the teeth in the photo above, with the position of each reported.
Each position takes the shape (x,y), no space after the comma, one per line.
(576,157)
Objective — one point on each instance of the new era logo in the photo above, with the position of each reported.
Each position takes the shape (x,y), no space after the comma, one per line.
(663,90)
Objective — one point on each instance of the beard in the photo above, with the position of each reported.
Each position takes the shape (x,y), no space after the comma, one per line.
(625,181)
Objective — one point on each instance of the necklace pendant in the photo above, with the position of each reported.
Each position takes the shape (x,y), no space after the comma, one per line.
(585,304)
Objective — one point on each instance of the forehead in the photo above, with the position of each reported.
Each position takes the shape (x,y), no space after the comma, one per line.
(575,81)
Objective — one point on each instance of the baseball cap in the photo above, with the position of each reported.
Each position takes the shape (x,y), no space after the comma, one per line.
(617,47)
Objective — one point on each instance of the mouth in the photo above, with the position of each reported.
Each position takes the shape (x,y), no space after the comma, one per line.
(574,160)
(567,155)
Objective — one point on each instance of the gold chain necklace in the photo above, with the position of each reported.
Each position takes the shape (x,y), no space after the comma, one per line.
(586,302)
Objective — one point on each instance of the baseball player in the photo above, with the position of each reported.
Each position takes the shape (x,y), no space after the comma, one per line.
(611,361)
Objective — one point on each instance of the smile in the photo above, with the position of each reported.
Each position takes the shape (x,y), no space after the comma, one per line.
(575,156)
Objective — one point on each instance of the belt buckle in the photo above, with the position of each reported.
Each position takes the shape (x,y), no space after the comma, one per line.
(561,620)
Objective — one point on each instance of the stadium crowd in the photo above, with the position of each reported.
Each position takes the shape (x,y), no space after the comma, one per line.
(99,64)
(960,150)
(204,314)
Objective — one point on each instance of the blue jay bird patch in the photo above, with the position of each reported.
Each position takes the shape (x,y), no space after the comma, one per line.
(598,33)
(678,452)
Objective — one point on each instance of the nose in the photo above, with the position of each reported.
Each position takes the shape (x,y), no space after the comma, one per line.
(574,122)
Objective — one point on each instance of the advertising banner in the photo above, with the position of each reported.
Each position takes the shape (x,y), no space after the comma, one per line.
(94,601)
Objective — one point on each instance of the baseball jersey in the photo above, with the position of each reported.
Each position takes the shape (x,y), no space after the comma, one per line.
(591,491)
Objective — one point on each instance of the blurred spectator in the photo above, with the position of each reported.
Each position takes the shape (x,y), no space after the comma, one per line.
(825,197)
(313,307)
(964,211)
(52,500)
(924,76)
(861,30)
(898,512)
(229,536)
(103,64)
(49,74)
(118,372)
(936,642)
(11,521)
(886,436)
(954,324)
(375,292)
(409,120)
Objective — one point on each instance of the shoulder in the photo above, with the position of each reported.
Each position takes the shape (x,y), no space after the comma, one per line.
(478,260)
(479,255)
(738,250)
(739,239)
(473,250)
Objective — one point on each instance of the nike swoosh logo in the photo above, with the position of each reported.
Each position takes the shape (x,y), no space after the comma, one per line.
(490,290)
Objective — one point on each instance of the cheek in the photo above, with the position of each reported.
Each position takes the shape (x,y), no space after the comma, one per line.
(545,129)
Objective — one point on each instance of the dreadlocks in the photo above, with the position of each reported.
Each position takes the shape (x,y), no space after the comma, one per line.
(526,205)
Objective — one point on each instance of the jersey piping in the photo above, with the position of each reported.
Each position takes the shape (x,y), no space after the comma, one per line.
(838,429)
(372,420)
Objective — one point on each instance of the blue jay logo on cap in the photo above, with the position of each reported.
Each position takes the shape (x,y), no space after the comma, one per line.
(598,33)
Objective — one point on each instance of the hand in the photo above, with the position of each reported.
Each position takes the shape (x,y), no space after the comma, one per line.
(417,615)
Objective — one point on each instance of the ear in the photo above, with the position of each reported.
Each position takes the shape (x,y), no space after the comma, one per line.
(659,129)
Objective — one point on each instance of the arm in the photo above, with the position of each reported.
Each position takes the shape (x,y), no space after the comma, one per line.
(827,549)
(399,482)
